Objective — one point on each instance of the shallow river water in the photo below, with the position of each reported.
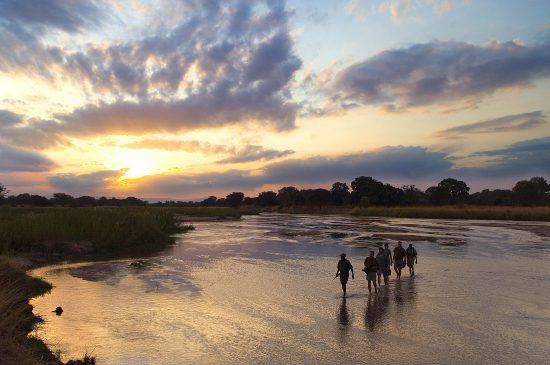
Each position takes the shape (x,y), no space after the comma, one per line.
(261,290)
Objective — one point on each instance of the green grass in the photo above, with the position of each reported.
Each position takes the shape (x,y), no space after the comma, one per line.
(99,230)
(459,212)
(208,212)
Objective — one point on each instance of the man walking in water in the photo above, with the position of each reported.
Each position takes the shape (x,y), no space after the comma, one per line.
(383,265)
(344,267)
(387,252)
(398,256)
(371,269)
(411,258)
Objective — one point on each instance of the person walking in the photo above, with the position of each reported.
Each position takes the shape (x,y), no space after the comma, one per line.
(398,259)
(411,258)
(371,269)
(387,252)
(344,267)
(383,266)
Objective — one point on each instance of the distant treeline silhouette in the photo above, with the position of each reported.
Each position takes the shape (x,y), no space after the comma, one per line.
(364,191)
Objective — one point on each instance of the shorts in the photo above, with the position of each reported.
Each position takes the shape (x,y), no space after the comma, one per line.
(410,263)
(344,278)
(371,276)
(383,271)
(398,264)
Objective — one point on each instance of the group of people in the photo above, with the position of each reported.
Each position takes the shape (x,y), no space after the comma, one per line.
(379,266)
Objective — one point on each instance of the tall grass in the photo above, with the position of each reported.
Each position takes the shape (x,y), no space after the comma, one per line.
(17,319)
(98,230)
(208,212)
(459,212)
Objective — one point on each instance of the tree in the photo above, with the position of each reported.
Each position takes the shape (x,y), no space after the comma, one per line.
(340,193)
(492,197)
(85,201)
(365,187)
(413,196)
(449,191)
(250,201)
(288,195)
(234,199)
(209,202)
(531,192)
(317,197)
(3,191)
(62,199)
(267,198)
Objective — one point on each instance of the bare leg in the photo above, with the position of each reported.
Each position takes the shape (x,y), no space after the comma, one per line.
(378,279)
(375,287)
(368,281)
(344,289)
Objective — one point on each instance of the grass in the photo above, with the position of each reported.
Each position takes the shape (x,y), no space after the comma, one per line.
(208,212)
(74,231)
(17,319)
(459,212)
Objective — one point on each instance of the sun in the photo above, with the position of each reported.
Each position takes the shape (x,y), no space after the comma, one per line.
(137,163)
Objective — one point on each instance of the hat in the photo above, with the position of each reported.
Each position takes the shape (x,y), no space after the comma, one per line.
(342,255)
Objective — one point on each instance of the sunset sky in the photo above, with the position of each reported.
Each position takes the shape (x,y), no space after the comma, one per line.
(188,98)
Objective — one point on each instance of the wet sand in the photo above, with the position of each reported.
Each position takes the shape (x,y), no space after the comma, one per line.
(260,290)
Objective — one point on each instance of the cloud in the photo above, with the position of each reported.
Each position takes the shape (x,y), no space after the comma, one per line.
(225,63)
(17,160)
(177,145)
(398,9)
(508,123)
(255,153)
(26,18)
(521,159)
(436,73)
(96,182)
(353,8)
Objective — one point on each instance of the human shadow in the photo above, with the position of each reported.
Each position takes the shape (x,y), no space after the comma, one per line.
(376,312)
(344,320)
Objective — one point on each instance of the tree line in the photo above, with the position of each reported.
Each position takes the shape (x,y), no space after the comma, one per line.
(363,191)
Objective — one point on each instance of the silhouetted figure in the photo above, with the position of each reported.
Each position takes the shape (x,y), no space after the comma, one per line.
(383,265)
(58,311)
(398,259)
(387,252)
(371,269)
(344,267)
(411,258)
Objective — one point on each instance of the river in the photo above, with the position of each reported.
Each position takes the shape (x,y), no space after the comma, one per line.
(261,290)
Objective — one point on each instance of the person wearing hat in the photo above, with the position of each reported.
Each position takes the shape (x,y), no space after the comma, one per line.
(344,267)
(398,259)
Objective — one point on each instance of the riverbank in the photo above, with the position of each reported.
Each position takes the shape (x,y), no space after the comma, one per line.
(468,212)
(32,237)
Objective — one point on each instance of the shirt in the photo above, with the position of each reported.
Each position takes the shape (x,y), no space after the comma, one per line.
(411,253)
(344,266)
(398,253)
(382,260)
(371,265)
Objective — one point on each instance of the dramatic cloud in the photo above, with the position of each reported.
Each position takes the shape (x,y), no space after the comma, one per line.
(256,153)
(508,123)
(90,183)
(26,18)
(439,73)
(227,62)
(14,159)
(521,159)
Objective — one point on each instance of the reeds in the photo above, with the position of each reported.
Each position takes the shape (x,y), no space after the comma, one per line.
(459,212)
(95,230)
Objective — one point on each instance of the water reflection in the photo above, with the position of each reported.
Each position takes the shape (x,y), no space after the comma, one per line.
(377,310)
(343,321)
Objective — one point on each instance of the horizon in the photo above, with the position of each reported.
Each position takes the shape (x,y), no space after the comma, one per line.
(192,98)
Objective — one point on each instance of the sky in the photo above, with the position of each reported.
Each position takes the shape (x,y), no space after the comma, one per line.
(181,99)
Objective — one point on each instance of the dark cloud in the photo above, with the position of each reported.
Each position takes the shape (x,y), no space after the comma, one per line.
(256,153)
(227,62)
(18,160)
(508,123)
(27,18)
(519,160)
(89,183)
(439,73)
(9,119)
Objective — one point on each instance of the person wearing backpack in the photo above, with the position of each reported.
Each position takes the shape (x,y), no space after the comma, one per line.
(398,259)
(383,265)
(411,258)
(371,269)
